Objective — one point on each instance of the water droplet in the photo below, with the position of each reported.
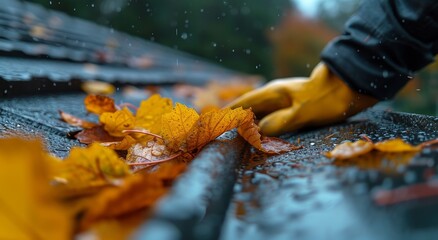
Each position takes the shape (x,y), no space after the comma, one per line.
(184,36)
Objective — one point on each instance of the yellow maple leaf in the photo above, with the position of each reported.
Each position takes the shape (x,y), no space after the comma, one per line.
(150,112)
(177,124)
(99,104)
(90,167)
(29,207)
(115,123)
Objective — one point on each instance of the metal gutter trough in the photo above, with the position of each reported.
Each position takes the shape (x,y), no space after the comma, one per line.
(230,190)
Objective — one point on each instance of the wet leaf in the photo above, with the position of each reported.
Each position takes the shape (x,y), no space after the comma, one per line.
(96,134)
(115,123)
(270,145)
(176,126)
(89,167)
(150,112)
(136,192)
(75,121)
(29,207)
(211,125)
(350,149)
(395,145)
(273,145)
(98,104)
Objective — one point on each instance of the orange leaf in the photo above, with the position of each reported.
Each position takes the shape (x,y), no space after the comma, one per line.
(96,134)
(350,149)
(136,192)
(150,112)
(98,87)
(99,104)
(176,125)
(395,145)
(250,131)
(212,124)
(115,123)
(75,121)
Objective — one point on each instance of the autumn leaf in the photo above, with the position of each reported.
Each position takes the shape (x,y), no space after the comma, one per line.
(98,104)
(211,125)
(136,192)
(115,123)
(176,126)
(350,149)
(89,167)
(75,121)
(96,134)
(98,87)
(270,145)
(28,205)
(150,112)
(395,145)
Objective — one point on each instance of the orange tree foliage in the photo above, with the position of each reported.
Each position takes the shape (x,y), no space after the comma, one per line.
(297,44)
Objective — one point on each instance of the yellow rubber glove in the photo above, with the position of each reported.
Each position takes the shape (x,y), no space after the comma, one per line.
(287,105)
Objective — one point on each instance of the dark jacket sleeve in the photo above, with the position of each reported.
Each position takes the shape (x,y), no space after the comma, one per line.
(383,45)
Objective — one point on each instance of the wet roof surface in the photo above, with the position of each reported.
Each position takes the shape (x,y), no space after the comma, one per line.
(229,191)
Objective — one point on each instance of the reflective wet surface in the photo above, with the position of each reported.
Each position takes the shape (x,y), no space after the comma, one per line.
(304,195)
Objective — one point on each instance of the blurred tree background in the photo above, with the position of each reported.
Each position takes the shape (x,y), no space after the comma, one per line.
(229,32)
(269,38)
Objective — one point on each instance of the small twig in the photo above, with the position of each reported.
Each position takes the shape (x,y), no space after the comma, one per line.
(429,143)
(146,132)
(366,138)
(329,136)
(154,162)
(129,105)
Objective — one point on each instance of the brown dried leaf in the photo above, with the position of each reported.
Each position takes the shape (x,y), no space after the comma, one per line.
(75,121)
(273,145)
(98,104)
(95,134)
(270,145)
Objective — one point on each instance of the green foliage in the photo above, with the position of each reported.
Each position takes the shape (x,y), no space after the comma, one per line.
(230,32)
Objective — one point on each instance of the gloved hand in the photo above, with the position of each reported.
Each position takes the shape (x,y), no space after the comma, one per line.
(287,105)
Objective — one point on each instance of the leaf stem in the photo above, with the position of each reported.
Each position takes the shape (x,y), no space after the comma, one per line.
(146,132)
